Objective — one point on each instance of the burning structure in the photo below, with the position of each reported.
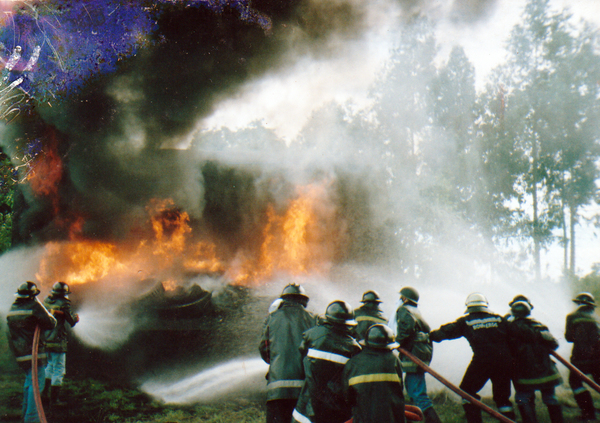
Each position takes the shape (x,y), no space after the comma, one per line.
(154,238)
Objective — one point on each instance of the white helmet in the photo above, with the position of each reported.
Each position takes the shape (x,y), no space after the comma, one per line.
(476,299)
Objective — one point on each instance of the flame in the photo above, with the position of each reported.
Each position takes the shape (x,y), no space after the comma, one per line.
(302,239)
(46,172)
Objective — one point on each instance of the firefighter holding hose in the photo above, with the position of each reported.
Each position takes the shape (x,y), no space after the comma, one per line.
(412,334)
(282,334)
(25,315)
(531,343)
(487,334)
(59,305)
(368,314)
(583,330)
(326,349)
(373,379)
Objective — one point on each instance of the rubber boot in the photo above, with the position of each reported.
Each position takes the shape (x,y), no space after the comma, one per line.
(472,413)
(431,416)
(555,412)
(586,405)
(527,413)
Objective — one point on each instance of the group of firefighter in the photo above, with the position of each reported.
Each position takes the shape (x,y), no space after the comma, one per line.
(354,365)
(38,333)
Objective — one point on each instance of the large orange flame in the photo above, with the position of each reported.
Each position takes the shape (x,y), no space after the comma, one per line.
(301,240)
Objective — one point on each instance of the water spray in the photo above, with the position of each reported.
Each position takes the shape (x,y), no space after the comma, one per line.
(210,383)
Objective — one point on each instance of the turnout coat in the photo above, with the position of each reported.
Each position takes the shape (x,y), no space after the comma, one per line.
(326,349)
(24,316)
(282,335)
(60,308)
(583,330)
(531,343)
(374,388)
(412,333)
(366,316)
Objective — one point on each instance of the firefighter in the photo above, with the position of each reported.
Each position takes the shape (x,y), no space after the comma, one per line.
(486,333)
(509,316)
(368,314)
(59,305)
(582,329)
(25,314)
(281,337)
(326,349)
(531,343)
(412,333)
(373,379)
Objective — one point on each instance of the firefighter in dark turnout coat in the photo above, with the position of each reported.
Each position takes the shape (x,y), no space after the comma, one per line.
(373,379)
(59,305)
(368,314)
(281,338)
(412,333)
(326,349)
(583,330)
(486,333)
(25,314)
(531,343)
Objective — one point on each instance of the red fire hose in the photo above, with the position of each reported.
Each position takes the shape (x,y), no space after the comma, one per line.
(456,389)
(578,372)
(34,375)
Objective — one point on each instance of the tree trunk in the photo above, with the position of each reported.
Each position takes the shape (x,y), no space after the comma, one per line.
(573,222)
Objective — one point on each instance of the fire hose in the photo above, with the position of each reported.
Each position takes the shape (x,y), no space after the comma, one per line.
(34,375)
(456,389)
(578,372)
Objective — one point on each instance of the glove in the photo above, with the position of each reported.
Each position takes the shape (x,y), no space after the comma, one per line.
(422,337)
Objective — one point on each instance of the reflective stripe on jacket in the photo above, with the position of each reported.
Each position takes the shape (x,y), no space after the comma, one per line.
(374,388)
(531,343)
(367,316)
(282,335)
(326,350)
(24,316)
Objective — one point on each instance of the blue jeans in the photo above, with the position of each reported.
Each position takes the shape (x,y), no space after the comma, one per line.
(56,368)
(417,390)
(29,411)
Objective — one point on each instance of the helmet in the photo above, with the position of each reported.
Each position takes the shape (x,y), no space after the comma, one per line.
(60,288)
(476,302)
(293,290)
(380,336)
(370,297)
(520,309)
(27,290)
(521,297)
(410,293)
(476,299)
(585,298)
(340,312)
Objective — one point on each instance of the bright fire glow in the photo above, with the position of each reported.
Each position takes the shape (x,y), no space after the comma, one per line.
(300,240)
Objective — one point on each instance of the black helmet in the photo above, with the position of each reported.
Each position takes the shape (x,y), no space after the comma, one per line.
(60,288)
(380,336)
(370,297)
(341,313)
(520,309)
(27,290)
(410,293)
(293,290)
(585,298)
(521,297)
